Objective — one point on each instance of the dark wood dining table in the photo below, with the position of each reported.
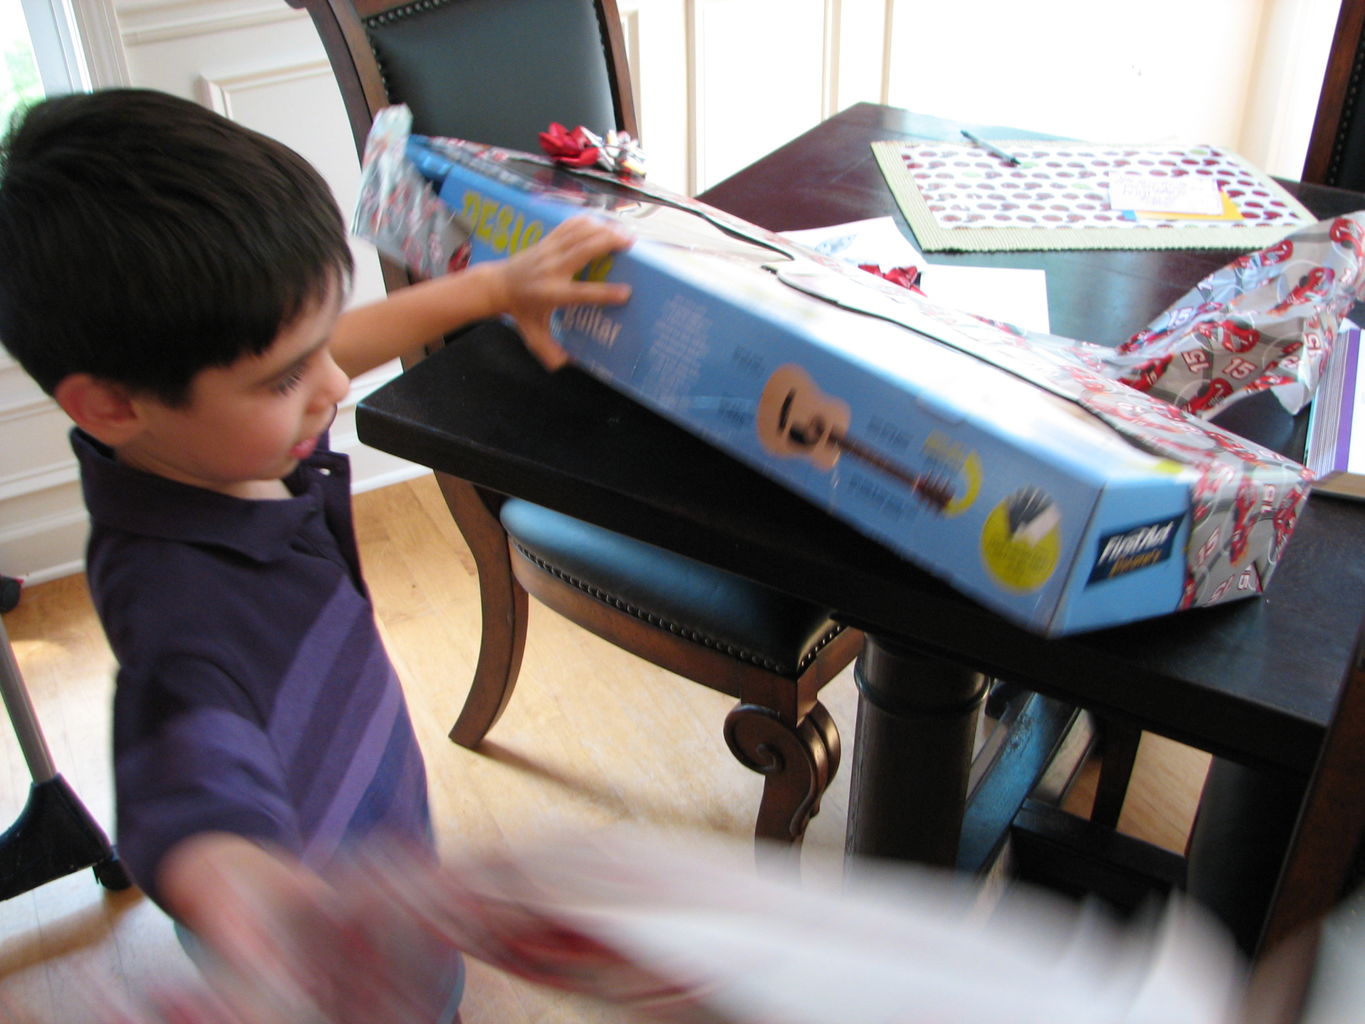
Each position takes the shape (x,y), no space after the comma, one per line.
(1254,681)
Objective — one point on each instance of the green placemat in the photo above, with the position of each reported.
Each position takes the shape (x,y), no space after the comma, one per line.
(961,198)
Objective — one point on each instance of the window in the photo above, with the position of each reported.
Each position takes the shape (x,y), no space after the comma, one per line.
(20,83)
(38,53)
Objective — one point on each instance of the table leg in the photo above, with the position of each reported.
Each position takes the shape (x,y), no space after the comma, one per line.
(912,753)
(1238,844)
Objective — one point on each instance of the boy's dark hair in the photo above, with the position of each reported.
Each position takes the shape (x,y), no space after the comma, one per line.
(144,238)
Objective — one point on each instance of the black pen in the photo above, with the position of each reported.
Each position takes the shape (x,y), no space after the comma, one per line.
(1009,158)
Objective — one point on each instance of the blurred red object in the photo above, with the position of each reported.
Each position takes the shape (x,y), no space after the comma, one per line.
(906,277)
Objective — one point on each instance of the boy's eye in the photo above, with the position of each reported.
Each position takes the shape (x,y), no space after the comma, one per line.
(290,381)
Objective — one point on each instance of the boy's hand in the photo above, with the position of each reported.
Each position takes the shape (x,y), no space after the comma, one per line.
(286,947)
(540,279)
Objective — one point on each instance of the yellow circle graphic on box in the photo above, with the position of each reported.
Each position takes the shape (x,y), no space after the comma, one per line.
(959,467)
(970,476)
(1021,540)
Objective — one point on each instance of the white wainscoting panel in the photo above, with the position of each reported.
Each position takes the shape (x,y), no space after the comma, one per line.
(40,451)
(42,519)
(146,22)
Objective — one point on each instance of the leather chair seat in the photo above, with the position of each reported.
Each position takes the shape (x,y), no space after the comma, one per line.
(728,613)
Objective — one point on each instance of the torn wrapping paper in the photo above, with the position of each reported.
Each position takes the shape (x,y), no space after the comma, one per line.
(396,210)
(1266,321)
(1015,466)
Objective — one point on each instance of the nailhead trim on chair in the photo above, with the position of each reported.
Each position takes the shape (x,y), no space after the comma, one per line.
(733,650)
(387,17)
(394,13)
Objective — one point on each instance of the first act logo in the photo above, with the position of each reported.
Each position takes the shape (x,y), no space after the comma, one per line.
(1133,549)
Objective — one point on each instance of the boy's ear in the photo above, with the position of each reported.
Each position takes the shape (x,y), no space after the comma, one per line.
(102,409)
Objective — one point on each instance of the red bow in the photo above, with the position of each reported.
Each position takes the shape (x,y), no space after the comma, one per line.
(572,148)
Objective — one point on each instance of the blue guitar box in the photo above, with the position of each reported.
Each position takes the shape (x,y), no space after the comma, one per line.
(998,461)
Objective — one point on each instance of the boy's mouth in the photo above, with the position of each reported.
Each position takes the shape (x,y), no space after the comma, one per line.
(306,447)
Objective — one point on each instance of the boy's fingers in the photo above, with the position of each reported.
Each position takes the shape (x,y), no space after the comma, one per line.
(586,250)
(541,344)
(584,237)
(587,224)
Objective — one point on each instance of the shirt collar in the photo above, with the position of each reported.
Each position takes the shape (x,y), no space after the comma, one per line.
(128,499)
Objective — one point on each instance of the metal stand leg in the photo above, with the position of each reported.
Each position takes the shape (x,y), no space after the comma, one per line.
(54,835)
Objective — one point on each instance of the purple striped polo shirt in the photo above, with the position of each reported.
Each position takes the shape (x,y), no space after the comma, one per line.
(254,694)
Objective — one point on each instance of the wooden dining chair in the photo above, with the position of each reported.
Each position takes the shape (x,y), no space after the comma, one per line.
(499,72)
(1336,147)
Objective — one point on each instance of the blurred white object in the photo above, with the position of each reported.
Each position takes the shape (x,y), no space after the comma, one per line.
(684,931)
(902,946)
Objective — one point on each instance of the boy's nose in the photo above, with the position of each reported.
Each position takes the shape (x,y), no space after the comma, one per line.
(334,386)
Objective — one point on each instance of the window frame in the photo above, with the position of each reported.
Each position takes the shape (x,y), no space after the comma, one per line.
(77,44)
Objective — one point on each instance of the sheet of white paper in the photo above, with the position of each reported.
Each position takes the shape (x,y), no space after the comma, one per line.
(1355,457)
(877,240)
(1013,296)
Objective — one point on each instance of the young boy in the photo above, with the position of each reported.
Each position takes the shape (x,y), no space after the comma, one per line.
(176,282)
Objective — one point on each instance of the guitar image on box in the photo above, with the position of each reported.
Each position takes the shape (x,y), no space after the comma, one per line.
(796,418)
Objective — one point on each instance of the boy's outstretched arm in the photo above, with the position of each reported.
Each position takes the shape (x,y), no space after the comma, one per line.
(283,946)
(528,286)
(233,894)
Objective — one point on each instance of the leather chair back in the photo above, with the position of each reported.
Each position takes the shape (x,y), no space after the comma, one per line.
(506,70)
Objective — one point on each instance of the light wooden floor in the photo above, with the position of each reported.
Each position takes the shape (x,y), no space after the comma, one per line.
(593,737)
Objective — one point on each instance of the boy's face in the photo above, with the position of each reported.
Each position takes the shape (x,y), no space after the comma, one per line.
(247,424)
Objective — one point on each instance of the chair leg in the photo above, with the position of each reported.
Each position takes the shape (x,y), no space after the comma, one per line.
(503,606)
(797,764)
(1116,768)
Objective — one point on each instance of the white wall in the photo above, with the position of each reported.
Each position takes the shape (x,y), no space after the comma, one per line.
(1241,74)
(1290,59)
(719,83)
(1124,72)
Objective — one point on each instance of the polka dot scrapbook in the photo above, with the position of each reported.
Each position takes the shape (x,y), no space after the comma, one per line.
(1064,195)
